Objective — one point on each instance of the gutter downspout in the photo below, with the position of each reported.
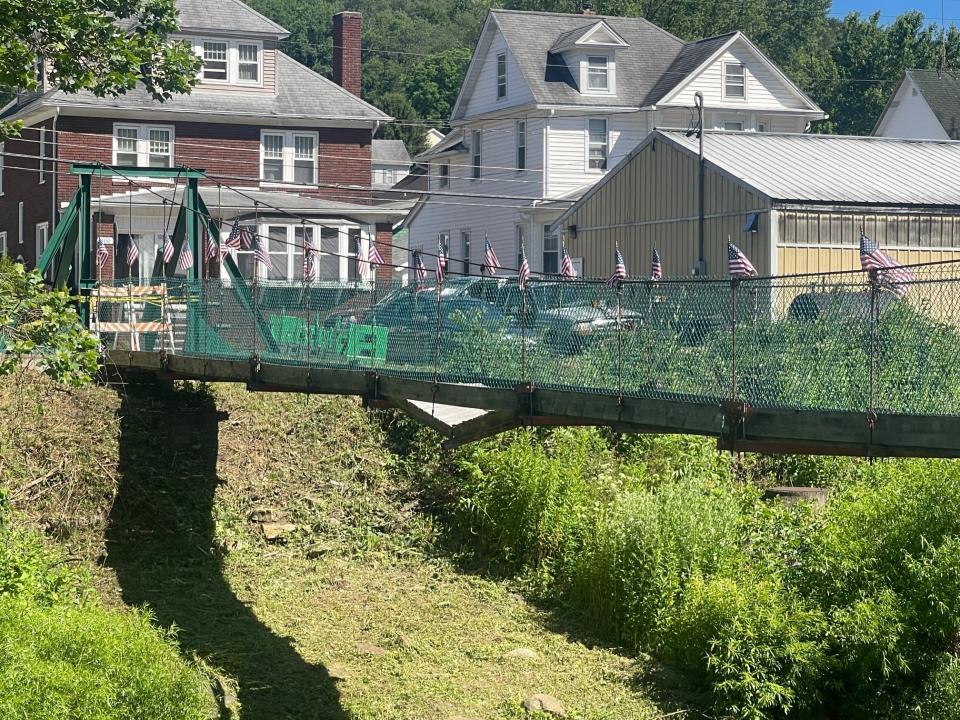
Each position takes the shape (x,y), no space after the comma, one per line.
(54,176)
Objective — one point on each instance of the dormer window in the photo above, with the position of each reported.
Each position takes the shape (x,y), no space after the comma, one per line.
(248,63)
(734,81)
(215,61)
(234,62)
(598,77)
(501,76)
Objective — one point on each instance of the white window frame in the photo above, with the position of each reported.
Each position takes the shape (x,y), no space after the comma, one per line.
(3,242)
(733,122)
(501,76)
(521,144)
(555,252)
(41,169)
(143,146)
(226,61)
(608,73)
(3,157)
(476,155)
(443,175)
(763,124)
(726,85)
(259,46)
(41,246)
(606,145)
(233,61)
(289,157)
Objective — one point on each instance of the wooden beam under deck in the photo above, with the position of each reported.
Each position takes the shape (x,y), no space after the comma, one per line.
(775,431)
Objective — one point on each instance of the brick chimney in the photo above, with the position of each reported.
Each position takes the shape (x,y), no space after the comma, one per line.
(346,51)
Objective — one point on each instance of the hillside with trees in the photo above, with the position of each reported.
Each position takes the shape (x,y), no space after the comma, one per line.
(415,53)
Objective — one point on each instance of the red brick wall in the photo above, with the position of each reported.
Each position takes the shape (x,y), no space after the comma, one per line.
(21,184)
(346,51)
(384,240)
(229,153)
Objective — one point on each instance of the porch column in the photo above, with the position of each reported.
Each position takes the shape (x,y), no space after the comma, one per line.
(383,237)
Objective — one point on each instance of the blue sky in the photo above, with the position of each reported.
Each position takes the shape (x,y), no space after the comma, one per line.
(889,9)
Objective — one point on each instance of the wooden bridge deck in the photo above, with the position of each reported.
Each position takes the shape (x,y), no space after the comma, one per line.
(468,412)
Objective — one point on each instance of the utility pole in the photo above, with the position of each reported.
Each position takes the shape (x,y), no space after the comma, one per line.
(701,269)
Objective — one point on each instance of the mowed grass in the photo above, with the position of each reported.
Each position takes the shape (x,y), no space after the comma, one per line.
(356,613)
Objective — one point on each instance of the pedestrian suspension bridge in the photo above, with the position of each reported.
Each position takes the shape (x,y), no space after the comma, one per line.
(820,364)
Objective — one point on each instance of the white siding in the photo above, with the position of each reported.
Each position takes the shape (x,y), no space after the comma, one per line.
(567,148)
(909,116)
(765,90)
(483,98)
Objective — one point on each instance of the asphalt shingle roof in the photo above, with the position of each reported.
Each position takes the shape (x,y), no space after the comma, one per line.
(691,56)
(225,16)
(301,93)
(531,35)
(942,93)
(390,151)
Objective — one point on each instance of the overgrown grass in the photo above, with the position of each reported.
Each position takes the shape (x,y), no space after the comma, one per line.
(62,655)
(780,610)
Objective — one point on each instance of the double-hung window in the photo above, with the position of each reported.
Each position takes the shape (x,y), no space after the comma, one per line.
(215,65)
(3,242)
(521,144)
(734,81)
(142,146)
(248,63)
(42,236)
(551,252)
(477,152)
(501,76)
(597,144)
(598,74)
(288,157)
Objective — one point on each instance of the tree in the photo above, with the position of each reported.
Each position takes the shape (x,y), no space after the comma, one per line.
(40,327)
(434,82)
(406,127)
(104,46)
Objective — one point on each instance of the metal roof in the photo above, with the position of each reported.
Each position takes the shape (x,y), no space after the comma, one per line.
(833,169)
(301,93)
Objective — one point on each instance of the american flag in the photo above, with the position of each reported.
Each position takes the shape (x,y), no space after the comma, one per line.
(420,267)
(441,261)
(490,260)
(524,273)
(309,264)
(737,263)
(185,261)
(167,248)
(566,264)
(656,267)
(211,245)
(261,254)
(233,239)
(888,270)
(133,252)
(102,253)
(619,270)
(361,264)
(373,255)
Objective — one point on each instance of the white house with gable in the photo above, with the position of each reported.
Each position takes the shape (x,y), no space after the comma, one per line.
(551,102)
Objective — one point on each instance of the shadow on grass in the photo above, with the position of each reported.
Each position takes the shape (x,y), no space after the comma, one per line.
(161,544)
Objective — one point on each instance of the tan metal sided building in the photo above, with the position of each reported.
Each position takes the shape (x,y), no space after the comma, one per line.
(810,193)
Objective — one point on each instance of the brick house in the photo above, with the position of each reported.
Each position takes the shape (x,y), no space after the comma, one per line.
(294,146)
